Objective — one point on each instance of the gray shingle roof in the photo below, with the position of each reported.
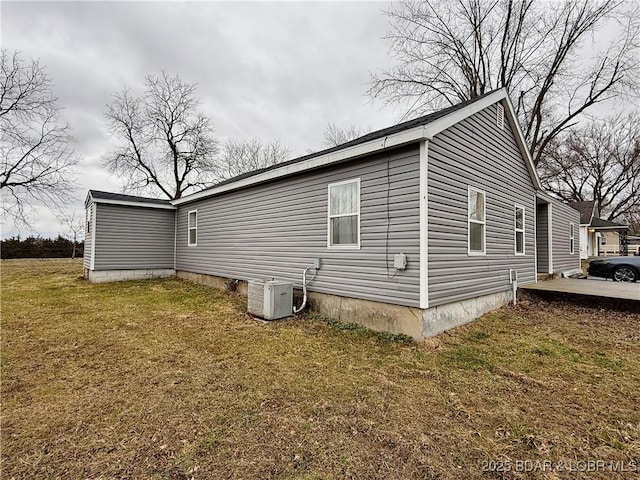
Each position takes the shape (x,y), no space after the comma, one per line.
(604,224)
(424,120)
(126,198)
(586,210)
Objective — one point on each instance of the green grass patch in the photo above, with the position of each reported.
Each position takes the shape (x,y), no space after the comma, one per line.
(382,338)
(467,357)
(166,379)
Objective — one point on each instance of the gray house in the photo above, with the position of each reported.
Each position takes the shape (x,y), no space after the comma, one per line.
(415,228)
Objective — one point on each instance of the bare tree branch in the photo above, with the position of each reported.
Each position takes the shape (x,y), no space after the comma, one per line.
(544,53)
(74,225)
(37,160)
(167,145)
(240,157)
(334,135)
(600,162)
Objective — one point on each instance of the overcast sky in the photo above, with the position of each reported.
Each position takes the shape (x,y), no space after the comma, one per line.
(266,70)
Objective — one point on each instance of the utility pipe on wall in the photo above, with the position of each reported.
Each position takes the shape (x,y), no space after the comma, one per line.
(304,292)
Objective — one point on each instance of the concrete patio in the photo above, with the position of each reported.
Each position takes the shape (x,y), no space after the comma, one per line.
(591,286)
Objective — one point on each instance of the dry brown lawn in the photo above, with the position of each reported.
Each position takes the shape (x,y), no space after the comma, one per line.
(170,380)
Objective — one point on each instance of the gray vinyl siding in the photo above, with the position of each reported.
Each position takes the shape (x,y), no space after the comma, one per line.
(542,238)
(86,260)
(476,153)
(562,258)
(278,228)
(132,238)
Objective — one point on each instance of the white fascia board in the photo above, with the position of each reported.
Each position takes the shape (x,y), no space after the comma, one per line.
(134,204)
(522,143)
(621,227)
(393,140)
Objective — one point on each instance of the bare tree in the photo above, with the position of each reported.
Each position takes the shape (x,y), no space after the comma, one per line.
(549,55)
(334,135)
(601,162)
(74,227)
(244,156)
(167,144)
(37,159)
(633,220)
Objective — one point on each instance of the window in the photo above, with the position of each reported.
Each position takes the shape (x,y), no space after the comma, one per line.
(500,116)
(571,238)
(193,228)
(477,222)
(344,214)
(519,229)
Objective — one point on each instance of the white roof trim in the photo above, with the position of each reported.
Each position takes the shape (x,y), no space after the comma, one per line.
(611,227)
(414,134)
(132,204)
(401,138)
(515,125)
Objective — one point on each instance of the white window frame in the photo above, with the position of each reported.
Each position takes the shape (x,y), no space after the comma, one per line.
(572,238)
(189,228)
(517,230)
(350,246)
(483,223)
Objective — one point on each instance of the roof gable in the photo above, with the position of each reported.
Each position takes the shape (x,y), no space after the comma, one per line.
(586,209)
(98,196)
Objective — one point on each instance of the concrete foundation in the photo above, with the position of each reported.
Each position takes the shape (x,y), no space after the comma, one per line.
(222,283)
(436,320)
(382,317)
(377,316)
(100,276)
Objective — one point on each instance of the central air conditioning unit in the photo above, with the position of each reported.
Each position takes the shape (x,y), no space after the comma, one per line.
(270,299)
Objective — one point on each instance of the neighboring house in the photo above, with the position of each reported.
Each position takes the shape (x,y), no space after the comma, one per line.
(417,228)
(611,237)
(588,239)
(598,237)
